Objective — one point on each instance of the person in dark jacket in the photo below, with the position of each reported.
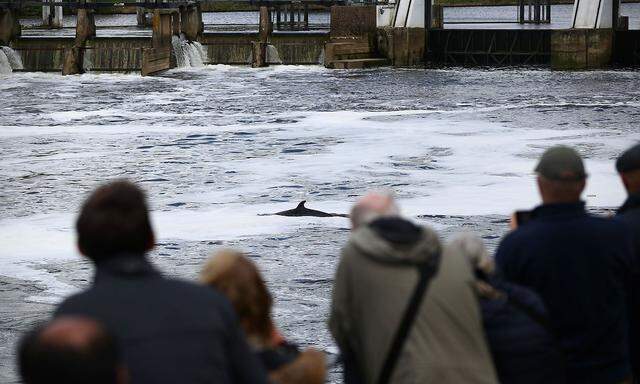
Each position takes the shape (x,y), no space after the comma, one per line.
(170,331)
(71,350)
(523,348)
(577,263)
(628,166)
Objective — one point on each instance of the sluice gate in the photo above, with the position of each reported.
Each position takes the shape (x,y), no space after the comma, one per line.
(493,47)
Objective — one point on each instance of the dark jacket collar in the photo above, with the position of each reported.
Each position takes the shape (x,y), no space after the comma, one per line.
(125,265)
(632,202)
(561,209)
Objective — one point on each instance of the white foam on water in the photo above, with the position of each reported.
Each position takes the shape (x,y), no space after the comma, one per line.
(478,168)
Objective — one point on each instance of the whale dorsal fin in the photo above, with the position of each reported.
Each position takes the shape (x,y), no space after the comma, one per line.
(301,205)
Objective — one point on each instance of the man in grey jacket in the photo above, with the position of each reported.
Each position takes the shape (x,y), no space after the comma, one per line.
(375,280)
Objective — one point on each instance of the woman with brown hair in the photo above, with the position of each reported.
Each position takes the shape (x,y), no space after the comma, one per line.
(238,278)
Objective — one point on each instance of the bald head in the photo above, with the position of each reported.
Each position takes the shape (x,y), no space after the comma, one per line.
(70,350)
(372,206)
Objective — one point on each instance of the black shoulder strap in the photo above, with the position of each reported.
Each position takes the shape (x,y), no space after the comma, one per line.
(427,271)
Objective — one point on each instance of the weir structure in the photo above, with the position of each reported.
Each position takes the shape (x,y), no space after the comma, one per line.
(402,33)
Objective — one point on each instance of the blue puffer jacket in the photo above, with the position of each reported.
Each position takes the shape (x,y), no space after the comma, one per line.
(524,351)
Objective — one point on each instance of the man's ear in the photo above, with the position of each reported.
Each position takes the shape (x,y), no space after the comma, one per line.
(80,249)
(625,181)
(151,242)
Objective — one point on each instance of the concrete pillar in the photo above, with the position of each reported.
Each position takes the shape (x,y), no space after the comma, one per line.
(191,22)
(85,30)
(265,27)
(162,28)
(581,49)
(72,64)
(259,48)
(437,16)
(85,26)
(259,54)
(9,25)
(52,17)
(176,23)
(402,46)
(159,57)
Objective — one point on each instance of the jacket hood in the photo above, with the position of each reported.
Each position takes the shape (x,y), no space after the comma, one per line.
(397,241)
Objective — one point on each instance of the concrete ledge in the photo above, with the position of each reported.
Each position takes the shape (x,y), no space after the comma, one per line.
(581,49)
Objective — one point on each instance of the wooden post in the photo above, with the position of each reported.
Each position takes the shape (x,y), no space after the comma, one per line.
(191,22)
(259,54)
(85,30)
(259,48)
(306,16)
(162,28)
(265,27)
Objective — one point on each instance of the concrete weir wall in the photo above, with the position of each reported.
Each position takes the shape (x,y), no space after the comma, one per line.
(293,48)
(118,54)
(402,46)
(578,49)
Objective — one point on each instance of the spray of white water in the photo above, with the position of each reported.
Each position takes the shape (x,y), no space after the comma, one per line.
(272,55)
(321,57)
(188,53)
(9,60)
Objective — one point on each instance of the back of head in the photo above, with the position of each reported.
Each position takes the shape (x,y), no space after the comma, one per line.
(561,175)
(70,350)
(628,166)
(114,219)
(238,278)
(373,206)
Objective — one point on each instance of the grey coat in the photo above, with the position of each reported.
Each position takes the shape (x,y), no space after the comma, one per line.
(372,288)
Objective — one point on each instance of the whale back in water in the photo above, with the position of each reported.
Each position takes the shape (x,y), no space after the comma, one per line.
(301,210)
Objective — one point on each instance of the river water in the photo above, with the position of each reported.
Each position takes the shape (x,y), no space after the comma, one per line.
(214,147)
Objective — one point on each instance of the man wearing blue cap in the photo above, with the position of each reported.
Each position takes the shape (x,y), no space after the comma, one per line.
(628,166)
(578,264)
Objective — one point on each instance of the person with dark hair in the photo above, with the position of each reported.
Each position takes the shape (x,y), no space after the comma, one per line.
(238,278)
(70,350)
(170,331)
(628,166)
(578,264)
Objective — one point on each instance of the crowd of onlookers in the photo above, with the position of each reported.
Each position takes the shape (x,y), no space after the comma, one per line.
(559,302)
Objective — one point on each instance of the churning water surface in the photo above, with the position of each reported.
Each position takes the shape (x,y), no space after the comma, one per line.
(217,146)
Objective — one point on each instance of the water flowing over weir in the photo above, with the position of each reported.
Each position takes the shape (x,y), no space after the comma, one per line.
(9,60)
(272,55)
(188,53)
